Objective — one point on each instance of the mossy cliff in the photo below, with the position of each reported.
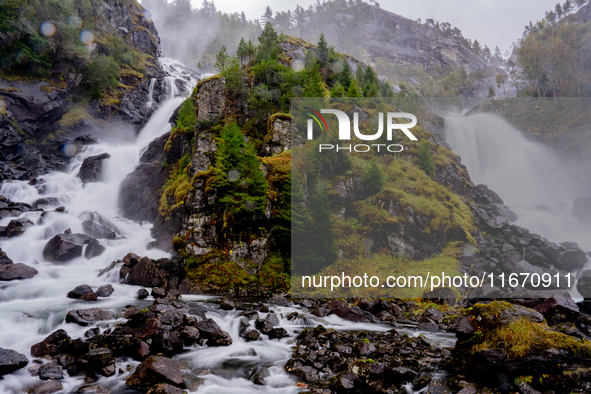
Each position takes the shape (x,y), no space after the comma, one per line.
(70,68)
(223,188)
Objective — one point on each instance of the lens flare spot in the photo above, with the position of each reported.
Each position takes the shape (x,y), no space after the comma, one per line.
(249,206)
(70,149)
(297,91)
(87,37)
(233,175)
(297,64)
(75,21)
(47,29)
(148,15)
(337,67)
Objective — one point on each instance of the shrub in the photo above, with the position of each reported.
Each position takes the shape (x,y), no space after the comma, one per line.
(425,159)
(102,75)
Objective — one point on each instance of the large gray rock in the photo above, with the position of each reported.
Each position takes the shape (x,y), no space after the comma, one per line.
(11,361)
(153,371)
(211,100)
(139,192)
(4,259)
(91,168)
(17,271)
(67,246)
(17,227)
(279,137)
(85,317)
(145,273)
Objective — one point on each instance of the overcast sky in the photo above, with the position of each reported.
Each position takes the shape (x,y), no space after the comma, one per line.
(492,22)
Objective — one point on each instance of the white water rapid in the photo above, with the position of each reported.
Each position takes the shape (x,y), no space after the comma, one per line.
(537,184)
(31,309)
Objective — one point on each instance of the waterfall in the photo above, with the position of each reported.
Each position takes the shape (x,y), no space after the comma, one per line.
(533,180)
(31,309)
(151,93)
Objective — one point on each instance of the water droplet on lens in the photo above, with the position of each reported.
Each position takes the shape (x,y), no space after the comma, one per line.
(337,66)
(249,205)
(86,37)
(297,64)
(47,29)
(70,149)
(75,21)
(233,175)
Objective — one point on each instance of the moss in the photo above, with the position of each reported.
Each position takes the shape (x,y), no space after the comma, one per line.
(176,187)
(76,114)
(203,81)
(523,337)
(274,117)
(217,270)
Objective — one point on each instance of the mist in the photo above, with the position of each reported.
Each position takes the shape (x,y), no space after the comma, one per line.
(195,35)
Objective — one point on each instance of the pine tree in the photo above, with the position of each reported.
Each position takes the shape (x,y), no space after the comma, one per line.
(346,75)
(372,180)
(353,90)
(425,160)
(370,78)
(322,51)
(313,84)
(267,17)
(269,44)
(241,51)
(491,92)
(386,90)
(221,58)
(312,235)
(337,90)
(238,174)
(359,74)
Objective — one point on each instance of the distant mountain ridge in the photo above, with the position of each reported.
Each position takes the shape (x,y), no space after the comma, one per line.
(381,33)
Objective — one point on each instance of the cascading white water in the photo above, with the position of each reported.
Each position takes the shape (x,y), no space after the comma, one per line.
(31,309)
(530,177)
(151,93)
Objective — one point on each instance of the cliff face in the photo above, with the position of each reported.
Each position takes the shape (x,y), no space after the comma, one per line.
(43,110)
(380,33)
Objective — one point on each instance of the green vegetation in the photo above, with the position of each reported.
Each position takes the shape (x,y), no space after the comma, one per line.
(425,160)
(187,117)
(373,180)
(174,191)
(238,174)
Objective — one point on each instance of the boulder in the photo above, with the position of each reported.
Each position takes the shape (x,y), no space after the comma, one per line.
(79,291)
(56,343)
(16,271)
(91,168)
(145,273)
(142,293)
(558,310)
(209,329)
(155,370)
(17,227)
(85,317)
(353,313)
(67,246)
(165,388)
(4,259)
(105,290)
(47,387)
(98,230)
(11,361)
(227,305)
(51,371)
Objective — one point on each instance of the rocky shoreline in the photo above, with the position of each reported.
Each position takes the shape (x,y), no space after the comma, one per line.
(395,349)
